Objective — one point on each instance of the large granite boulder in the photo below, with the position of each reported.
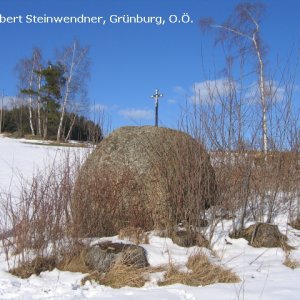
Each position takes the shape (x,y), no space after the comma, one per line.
(148,177)
(101,257)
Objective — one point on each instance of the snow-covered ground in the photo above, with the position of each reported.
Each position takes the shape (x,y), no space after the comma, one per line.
(20,159)
(263,276)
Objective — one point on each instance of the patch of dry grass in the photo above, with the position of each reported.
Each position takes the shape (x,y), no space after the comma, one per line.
(296,224)
(122,274)
(119,275)
(74,262)
(291,262)
(36,266)
(133,234)
(201,272)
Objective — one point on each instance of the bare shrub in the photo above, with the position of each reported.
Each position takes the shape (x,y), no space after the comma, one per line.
(252,185)
(273,184)
(257,174)
(74,261)
(135,235)
(190,182)
(36,266)
(256,187)
(105,212)
(233,176)
(40,221)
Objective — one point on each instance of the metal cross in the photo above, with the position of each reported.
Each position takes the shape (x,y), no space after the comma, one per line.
(156,96)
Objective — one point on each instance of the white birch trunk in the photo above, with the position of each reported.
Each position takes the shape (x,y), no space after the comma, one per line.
(67,93)
(30,102)
(45,131)
(262,91)
(261,80)
(70,129)
(39,108)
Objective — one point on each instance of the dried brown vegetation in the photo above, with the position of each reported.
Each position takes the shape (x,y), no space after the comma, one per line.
(40,222)
(263,235)
(201,272)
(118,276)
(36,266)
(296,223)
(135,235)
(291,262)
(74,261)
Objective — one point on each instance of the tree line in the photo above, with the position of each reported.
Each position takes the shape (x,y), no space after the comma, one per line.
(75,127)
(52,97)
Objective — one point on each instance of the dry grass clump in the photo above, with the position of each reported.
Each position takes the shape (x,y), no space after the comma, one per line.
(296,223)
(36,266)
(174,275)
(201,272)
(123,275)
(133,234)
(74,262)
(263,235)
(119,275)
(291,262)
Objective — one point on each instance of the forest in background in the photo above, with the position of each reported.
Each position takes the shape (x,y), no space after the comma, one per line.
(52,101)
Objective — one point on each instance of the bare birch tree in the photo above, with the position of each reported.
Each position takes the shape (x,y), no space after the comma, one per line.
(75,60)
(38,79)
(28,82)
(242,29)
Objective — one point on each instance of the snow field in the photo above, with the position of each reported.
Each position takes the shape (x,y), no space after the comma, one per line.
(262,273)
